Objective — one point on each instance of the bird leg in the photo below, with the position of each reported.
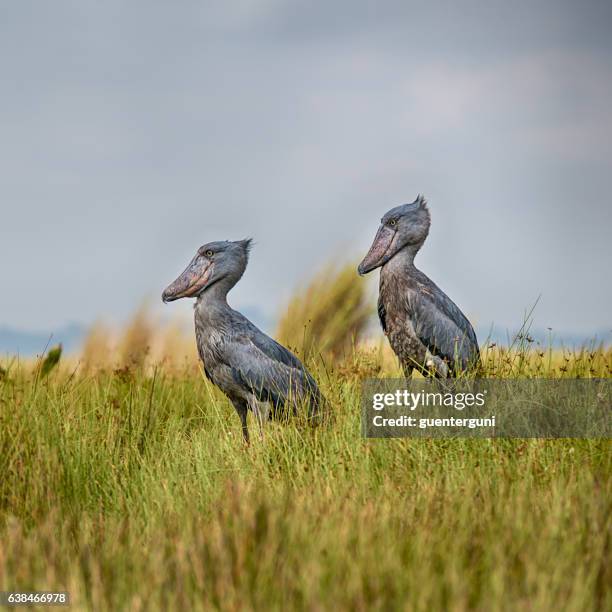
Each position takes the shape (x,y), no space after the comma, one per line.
(241,409)
(245,427)
(261,414)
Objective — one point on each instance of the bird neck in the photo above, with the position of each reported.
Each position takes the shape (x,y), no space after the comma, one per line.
(214,299)
(404,259)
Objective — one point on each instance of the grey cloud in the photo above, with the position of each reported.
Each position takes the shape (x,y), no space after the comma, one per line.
(133,133)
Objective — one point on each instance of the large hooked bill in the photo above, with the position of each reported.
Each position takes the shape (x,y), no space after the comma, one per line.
(194,278)
(380,252)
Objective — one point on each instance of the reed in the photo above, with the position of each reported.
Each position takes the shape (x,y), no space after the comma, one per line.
(327,316)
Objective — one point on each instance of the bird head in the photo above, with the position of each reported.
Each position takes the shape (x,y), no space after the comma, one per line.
(402,226)
(215,262)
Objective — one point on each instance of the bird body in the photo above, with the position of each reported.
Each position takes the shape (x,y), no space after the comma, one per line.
(425,328)
(252,369)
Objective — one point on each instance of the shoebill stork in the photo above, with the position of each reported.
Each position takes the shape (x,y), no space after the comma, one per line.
(253,370)
(424,326)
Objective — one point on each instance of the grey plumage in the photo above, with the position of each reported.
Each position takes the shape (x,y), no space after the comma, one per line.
(252,369)
(424,326)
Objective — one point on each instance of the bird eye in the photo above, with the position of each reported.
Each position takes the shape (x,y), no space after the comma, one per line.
(393,222)
(209,253)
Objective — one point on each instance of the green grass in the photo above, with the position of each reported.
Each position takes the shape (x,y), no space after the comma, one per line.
(136,492)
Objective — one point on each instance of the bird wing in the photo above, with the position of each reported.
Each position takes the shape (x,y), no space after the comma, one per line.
(269,370)
(441,326)
(275,351)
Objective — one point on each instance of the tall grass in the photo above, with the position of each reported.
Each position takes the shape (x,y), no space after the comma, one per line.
(136,341)
(136,492)
(96,353)
(328,316)
(126,482)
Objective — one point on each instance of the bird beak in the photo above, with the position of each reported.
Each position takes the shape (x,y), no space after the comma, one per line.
(380,252)
(190,282)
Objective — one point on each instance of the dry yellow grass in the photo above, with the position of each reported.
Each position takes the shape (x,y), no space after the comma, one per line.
(96,353)
(324,322)
(136,340)
(328,316)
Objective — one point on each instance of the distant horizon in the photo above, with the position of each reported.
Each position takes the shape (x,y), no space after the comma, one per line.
(29,343)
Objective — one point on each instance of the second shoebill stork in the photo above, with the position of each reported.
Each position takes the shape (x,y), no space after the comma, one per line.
(424,326)
(252,369)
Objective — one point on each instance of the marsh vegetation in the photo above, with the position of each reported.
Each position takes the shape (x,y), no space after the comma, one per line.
(125,481)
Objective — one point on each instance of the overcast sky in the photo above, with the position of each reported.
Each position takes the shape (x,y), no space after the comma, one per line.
(133,132)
